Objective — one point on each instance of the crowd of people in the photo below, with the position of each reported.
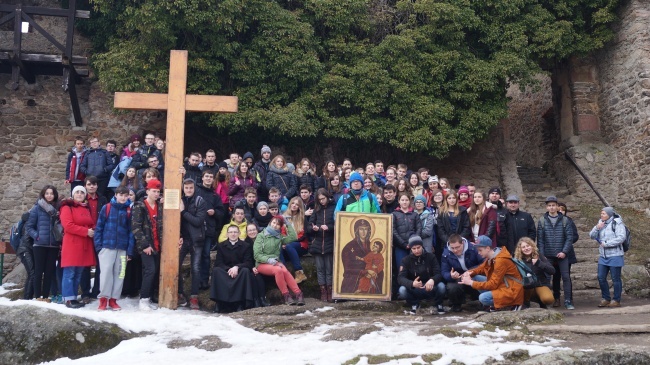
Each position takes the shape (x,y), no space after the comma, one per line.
(448,242)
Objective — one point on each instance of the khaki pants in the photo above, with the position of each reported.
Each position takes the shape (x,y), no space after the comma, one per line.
(540,293)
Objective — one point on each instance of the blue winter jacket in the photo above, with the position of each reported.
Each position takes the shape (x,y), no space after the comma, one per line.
(551,240)
(39,227)
(114,232)
(98,163)
(449,261)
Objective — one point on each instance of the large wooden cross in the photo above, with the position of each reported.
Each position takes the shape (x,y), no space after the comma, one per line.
(176,102)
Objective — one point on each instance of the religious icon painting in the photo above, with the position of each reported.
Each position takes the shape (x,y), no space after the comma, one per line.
(362,256)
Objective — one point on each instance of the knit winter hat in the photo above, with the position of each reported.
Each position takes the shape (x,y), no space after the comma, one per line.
(484,241)
(248,155)
(136,137)
(609,211)
(223,164)
(420,198)
(355,176)
(262,204)
(415,241)
(266,148)
(154,184)
(494,190)
(463,190)
(79,188)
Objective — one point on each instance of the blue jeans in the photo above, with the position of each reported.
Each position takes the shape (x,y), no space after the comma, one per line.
(70,281)
(195,256)
(414,295)
(616,280)
(400,253)
(205,258)
(293,251)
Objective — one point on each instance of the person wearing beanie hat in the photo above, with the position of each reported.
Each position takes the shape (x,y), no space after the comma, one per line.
(222,182)
(555,241)
(419,278)
(502,288)
(427,222)
(77,250)
(357,199)
(262,216)
(147,227)
(464,200)
(261,169)
(610,233)
(266,149)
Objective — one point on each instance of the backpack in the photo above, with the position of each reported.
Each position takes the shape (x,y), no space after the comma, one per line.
(628,234)
(529,279)
(17,231)
(108,211)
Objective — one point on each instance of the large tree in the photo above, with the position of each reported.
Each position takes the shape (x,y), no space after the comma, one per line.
(421,75)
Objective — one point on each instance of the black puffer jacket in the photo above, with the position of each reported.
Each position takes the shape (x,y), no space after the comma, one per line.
(306,178)
(551,240)
(213,222)
(444,227)
(424,266)
(405,225)
(542,269)
(193,220)
(323,242)
(283,180)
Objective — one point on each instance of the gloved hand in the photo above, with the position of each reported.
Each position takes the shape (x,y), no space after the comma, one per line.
(272,261)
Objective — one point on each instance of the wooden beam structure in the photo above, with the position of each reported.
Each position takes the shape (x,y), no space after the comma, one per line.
(29,65)
(176,103)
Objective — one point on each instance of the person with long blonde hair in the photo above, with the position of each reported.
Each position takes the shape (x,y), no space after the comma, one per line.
(541,293)
(292,251)
(451,219)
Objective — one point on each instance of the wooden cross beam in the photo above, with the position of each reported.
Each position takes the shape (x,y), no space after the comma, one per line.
(176,102)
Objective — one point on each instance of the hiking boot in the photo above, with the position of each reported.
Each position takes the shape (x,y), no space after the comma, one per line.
(614,304)
(604,303)
(329,293)
(112,303)
(300,300)
(182,302)
(568,305)
(102,304)
(73,304)
(288,300)
(146,305)
(556,303)
(300,276)
(414,309)
(323,293)
(194,302)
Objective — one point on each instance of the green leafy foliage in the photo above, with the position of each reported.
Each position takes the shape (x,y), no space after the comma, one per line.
(420,75)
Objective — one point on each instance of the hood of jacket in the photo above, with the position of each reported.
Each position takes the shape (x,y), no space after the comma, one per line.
(284,170)
(69,202)
(117,205)
(465,246)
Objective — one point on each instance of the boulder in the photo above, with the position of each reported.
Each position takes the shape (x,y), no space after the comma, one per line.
(58,335)
(636,280)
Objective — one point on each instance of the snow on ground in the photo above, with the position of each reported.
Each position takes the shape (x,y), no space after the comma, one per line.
(251,347)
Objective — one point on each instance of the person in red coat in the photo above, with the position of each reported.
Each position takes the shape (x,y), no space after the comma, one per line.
(78,250)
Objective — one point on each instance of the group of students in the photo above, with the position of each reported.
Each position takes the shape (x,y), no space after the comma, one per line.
(258,216)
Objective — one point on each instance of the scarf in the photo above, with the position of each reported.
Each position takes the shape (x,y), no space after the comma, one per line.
(272,232)
(47,207)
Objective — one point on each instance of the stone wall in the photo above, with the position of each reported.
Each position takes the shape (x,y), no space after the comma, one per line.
(624,75)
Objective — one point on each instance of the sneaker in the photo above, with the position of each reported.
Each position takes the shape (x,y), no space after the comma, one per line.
(516,308)
(414,309)
(73,304)
(147,305)
(112,303)
(603,303)
(556,303)
(58,299)
(182,302)
(194,302)
(568,305)
(102,304)
(439,309)
(614,304)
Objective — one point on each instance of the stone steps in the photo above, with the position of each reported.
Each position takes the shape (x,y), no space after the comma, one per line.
(537,185)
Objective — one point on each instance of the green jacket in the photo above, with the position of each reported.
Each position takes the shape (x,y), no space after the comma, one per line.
(268,247)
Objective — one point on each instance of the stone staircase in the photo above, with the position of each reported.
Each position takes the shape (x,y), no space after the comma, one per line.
(537,186)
